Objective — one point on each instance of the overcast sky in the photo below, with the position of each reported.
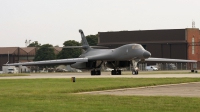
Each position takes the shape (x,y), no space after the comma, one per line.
(56,21)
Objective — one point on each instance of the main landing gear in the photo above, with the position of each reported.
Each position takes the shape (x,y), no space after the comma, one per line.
(116,72)
(96,68)
(95,72)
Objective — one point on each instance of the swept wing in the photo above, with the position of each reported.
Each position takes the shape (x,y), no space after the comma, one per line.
(48,62)
(169,60)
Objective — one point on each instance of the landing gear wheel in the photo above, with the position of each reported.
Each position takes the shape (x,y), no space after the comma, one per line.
(119,72)
(95,72)
(134,72)
(98,72)
(113,72)
(116,72)
(92,72)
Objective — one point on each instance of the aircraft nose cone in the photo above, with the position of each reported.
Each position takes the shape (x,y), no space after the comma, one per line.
(146,54)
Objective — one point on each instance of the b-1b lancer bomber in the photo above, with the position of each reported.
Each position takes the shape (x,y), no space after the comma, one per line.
(92,59)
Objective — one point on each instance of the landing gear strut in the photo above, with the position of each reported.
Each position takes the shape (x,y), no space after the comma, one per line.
(116,72)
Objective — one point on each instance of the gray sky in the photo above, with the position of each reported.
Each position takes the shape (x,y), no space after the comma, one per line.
(56,21)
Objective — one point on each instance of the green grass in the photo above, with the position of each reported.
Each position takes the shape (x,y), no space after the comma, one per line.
(96,103)
(21,95)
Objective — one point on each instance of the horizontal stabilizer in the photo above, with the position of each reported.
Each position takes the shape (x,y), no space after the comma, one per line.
(98,47)
(169,60)
(73,47)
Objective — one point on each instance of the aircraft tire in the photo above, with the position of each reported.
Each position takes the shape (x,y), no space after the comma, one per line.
(92,72)
(113,72)
(98,72)
(133,72)
(118,72)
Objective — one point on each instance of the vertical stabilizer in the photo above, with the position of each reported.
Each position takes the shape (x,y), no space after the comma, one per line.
(84,40)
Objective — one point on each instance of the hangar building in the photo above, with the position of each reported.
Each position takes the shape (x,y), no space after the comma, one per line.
(19,54)
(164,43)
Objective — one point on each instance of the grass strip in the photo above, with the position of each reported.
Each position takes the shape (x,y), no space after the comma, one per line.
(52,95)
(24,86)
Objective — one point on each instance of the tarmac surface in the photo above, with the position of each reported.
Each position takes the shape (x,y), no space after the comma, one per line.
(104,75)
(182,90)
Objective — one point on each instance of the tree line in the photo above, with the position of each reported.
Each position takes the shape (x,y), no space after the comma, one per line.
(46,51)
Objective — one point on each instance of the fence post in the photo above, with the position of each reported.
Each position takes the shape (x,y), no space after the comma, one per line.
(186,66)
(181,66)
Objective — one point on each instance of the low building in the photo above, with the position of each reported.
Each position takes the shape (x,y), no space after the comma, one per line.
(19,54)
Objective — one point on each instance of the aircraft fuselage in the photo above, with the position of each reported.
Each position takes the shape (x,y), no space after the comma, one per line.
(125,52)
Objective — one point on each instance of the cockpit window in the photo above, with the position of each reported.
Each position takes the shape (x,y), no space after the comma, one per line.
(137,47)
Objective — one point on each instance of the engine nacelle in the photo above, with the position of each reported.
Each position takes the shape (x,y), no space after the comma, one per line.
(81,65)
(84,65)
(117,64)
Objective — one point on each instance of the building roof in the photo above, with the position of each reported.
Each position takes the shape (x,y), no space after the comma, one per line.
(23,50)
(8,50)
(58,48)
(15,50)
(27,49)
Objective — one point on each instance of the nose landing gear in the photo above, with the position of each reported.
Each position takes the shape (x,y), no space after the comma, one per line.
(134,72)
(135,68)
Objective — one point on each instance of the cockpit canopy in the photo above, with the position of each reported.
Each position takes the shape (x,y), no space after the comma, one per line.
(137,46)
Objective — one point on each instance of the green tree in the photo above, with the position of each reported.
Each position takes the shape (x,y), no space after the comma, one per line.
(69,52)
(34,44)
(92,39)
(45,52)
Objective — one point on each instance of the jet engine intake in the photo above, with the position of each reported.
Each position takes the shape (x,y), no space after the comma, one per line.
(85,65)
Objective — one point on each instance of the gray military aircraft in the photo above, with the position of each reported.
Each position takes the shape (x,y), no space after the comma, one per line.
(92,59)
